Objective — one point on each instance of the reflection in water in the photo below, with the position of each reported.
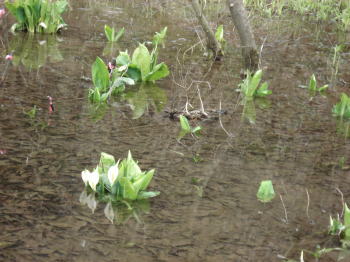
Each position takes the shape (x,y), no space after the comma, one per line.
(34,51)
(343,128)
(249,111)
(145,97)
(119,212)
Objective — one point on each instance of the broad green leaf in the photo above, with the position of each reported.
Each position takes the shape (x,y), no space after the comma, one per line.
(123,59)
(109,32)
(145,195)
(106,161)
(196,129)
(159,38)
(219,34)
(263,90)
(142,59)
(185,125)
(128,189)
(143,181)
(266,192)
(323,88)
(159,71)
(100,75)
(254,83)
(134,73)
(347,223)
(119,34)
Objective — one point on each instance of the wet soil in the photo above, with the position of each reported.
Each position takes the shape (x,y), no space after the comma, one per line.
(207,209)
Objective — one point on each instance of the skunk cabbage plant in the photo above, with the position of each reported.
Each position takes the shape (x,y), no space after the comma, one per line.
(116,181)
(37,16)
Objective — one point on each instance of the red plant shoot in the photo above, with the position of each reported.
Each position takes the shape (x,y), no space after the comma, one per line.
(51,107)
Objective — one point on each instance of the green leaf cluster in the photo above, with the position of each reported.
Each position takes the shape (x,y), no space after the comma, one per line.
(266,192)
(142,66)
(250,86)
(130,183)
(186,127)
(37,16)
(342,108)
(342,229)
(113,36)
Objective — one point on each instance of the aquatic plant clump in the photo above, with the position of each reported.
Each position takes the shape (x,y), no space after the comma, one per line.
(117,181)
(124,70)
(37,16)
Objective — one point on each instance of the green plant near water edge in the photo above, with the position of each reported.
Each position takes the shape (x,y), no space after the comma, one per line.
(266,192)
(117,181)
(113,36)
(342,108)
(37,16)
(250,86)
(186,127)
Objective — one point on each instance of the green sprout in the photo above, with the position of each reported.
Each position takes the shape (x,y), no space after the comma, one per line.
(266,192)
(342,108)
(250,86)
(313,89)
(186,128)
(113,36)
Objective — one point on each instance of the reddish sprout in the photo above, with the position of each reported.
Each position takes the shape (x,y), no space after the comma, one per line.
(9,57)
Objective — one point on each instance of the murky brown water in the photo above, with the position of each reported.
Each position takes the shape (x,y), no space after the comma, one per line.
(294,142)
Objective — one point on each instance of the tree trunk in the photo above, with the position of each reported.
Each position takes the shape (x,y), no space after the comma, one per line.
(241,22)
(212,43)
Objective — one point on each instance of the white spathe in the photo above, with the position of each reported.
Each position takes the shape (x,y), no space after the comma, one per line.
(85,176)
(113,173)
(94,177)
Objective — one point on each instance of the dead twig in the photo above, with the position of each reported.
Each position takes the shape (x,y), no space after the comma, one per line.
(285,210)
(222,126)
(308,204)
(342,200)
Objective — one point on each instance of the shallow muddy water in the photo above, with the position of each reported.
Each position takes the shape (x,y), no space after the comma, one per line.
(207,209)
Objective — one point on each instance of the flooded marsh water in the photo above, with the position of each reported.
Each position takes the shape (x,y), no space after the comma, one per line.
(207,209)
